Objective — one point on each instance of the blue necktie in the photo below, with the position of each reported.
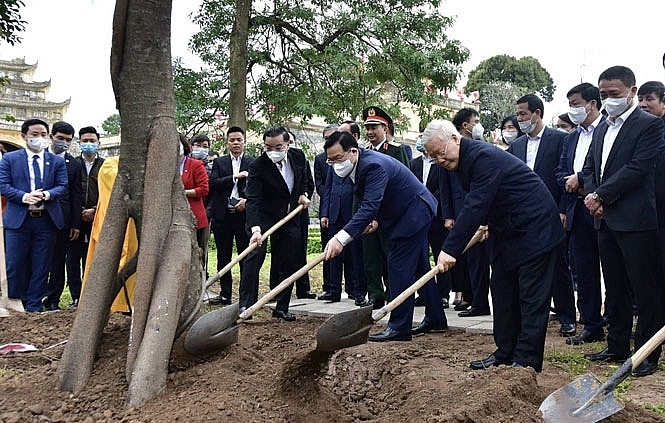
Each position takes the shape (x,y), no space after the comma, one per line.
(38,173)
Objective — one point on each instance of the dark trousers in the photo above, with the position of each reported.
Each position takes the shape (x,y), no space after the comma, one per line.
(231,228)
(29,250)
(302,284)
(56,279)
(375,255)
(325,237)
(585,258)
(562,289)
(76,258)
(631,271)
(478,266)
(342,265)
(521,301)
(406,261)
(435,237)
(282,265)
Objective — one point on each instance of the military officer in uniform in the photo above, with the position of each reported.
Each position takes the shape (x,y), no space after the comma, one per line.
(375,245)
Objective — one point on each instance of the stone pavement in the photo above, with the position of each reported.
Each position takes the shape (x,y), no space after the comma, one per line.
(306,307)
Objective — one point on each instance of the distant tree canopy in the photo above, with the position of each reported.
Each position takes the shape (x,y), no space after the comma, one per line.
(111,125)
(497,102)
(10,21)
(326,58)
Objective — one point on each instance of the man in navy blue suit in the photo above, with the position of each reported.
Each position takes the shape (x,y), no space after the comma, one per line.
(392,198)
(320,175)
(32,180)
(584,101)
(526,231)
(619,177)
(62,134)
(540,148)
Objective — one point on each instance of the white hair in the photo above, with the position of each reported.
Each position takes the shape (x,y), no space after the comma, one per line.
(439,129)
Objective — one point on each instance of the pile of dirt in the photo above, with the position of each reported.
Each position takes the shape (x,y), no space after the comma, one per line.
(273,374)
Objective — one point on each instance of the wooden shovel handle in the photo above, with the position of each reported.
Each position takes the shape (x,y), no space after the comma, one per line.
(281,287)
(380,314)
(214,278)
(648,347)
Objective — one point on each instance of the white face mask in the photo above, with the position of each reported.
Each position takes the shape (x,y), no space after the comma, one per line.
(37,144)
(615,106)
(477,131)
(343,169)
(577,115)
(527,126)
(276,156)
(509,136)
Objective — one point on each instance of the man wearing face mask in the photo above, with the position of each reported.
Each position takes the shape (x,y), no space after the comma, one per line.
(380,184)
(584,101)
(62,134)
(89,163)
(33,180)
(619,178)
(277,183)
(540,148)
(467,122)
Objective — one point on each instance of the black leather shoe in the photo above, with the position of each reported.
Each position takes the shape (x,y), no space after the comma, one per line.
(568,329)
(427,327)
(308,295)
(350,296)
(241,310)
(462,306)
(586,336)
(361,302)
(326,296)
(75,303)
(490,361)
(473,312)
(517,365)
(605,355)
(444,303)
(219,300)
(390,334)
(376,305)
(645,368)
(51,307)
(419,301)
(284,315)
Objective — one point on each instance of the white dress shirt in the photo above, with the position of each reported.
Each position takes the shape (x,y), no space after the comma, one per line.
(613,128)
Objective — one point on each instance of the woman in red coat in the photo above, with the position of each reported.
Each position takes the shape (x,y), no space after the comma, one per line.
(195,180)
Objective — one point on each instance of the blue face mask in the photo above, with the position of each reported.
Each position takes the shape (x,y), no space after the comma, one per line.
(199,153)
(419,145)
(89,148)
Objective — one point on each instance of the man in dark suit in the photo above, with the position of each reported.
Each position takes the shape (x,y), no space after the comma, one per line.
(62,134)
(380,183)
(227,201)
(524,223)
(277,183)
(32,180)
(584,101)
(619,178)
(320,174)
(540,148)
(375,244)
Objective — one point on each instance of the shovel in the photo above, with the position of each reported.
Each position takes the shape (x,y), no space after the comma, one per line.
(214,278)
(352,327)
(5,301)
(219,328)
(586,400)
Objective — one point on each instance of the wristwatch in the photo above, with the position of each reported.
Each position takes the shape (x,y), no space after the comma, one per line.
(595,196)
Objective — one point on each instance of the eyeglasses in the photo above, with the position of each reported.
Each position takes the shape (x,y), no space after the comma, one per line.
(441,154)
(338,159)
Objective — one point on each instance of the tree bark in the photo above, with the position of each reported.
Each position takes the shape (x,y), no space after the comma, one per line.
(238,64)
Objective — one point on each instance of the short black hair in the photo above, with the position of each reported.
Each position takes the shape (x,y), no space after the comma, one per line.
(533,102)
(28,123)
(235,129)
(276,131)
(355,128)
(564,117)
(199,138)
(587,91)
(346,140)
(622,73)
(656,87)
(62,127)
(463,115)
(513,119)
(88,130)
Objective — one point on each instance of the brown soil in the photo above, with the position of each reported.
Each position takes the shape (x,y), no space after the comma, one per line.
(274,375)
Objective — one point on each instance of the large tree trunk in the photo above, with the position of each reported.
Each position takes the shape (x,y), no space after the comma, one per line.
(238,64)
(149,190)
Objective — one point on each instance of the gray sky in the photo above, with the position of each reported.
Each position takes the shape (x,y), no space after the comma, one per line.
(574,40)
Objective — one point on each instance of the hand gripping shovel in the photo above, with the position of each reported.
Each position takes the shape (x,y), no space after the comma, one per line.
(586,400)
(352,327)
(219,328)
(5,301)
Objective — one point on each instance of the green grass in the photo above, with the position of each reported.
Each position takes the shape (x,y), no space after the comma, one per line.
(571,362)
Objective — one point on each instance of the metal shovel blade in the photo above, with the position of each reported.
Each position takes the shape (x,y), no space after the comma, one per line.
(562,405)
(345,330)
(213,331)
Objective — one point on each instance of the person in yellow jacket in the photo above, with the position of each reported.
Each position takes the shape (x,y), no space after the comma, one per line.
(107,174)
